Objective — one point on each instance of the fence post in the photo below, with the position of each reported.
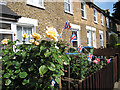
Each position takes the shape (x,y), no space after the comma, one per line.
(118,66)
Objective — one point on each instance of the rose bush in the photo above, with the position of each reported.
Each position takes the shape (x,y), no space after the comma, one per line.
(30,66)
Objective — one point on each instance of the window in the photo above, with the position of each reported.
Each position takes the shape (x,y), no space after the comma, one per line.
(76,31)
(101,38)
(36,3)
(76,41)
(102,22)
(111,24)
(21,30)
(94,39)
(68,6)
(88,37)
(107,22)
(5,32)
(83,10)
(95,16)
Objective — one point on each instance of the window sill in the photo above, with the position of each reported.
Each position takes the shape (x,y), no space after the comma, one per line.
(84,18)
(102,25)
(95,22)
(71,13)
(37,6)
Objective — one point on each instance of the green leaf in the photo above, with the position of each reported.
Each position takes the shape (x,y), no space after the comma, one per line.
(42,48)
(24,54)
(7,82)
(43,69)
(51,66)
(25,81)
(61,72)
(31,68)
(17,71)
(7,75)
(57,80)
(60,61)
(13,77)
(22,74)
(47,53)
(56,75)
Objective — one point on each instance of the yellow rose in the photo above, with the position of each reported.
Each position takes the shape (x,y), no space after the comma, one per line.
(25,35)
(36,43)
(52,33)
(32,41)
(59,56)
(36,36)
(5,41)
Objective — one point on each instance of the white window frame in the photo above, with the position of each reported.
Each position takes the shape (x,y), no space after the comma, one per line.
(5,31)
(71,7)
(91,30)
(102,20)
(101,33)
(18,43)
(32,2)
(26,22)
(88,28)
(84,10)
(94,37)
(76,28)
(107,19)
(95,16)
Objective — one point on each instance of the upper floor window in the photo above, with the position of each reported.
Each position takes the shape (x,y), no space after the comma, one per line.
(68,6)
(36,3)
(83,10)
(102,22)
(95,16)
(111,24)
(107,22)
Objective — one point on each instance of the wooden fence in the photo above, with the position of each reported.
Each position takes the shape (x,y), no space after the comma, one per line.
(101,79)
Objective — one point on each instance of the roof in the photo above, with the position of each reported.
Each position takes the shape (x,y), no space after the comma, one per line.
(7,12)
(96,7)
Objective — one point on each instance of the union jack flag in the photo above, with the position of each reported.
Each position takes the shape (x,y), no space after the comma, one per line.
(109,60)
(98,59)
(73,37)
(90,57)
(61,37)
(80,48)
(53,82)
(69,26)
(65,26)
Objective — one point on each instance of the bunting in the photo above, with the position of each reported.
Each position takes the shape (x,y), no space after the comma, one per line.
(67,26)
(80,48)
(61,38)
(73,37)
(108,60)
(90,57)
(53,82)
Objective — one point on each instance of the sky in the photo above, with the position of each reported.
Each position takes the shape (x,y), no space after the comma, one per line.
(105,4)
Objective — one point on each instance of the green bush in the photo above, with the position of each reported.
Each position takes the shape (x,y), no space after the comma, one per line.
(31,66)
(113,40)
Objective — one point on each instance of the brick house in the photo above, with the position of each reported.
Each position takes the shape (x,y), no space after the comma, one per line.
(88,21)
(113,26)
